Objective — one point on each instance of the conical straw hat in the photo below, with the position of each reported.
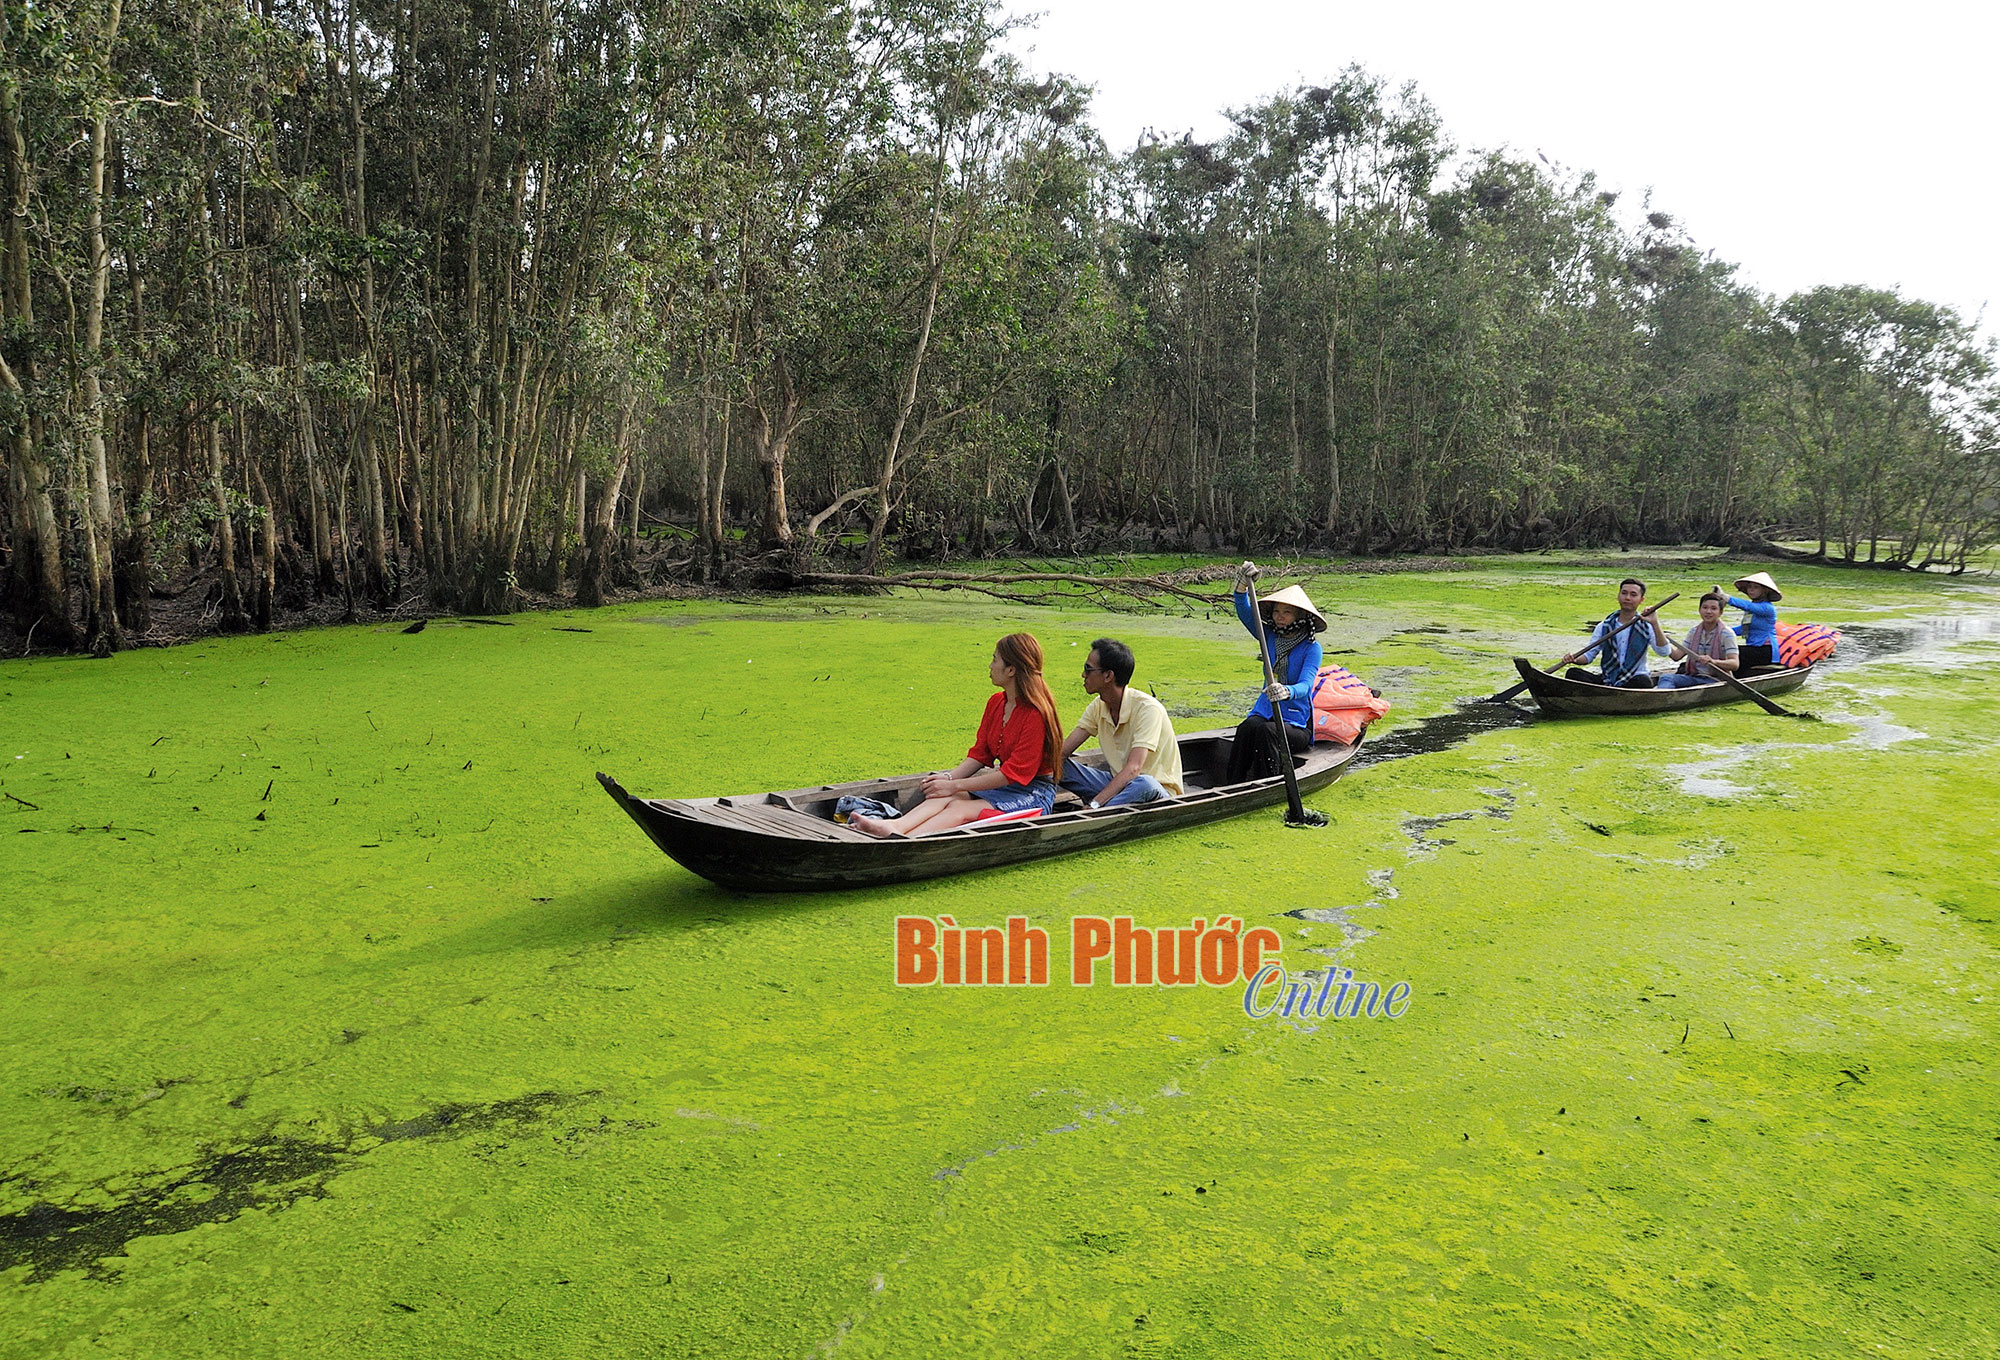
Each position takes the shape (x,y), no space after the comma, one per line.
(1762,578)
(1296,598)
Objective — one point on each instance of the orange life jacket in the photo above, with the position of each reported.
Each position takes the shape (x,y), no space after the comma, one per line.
(1801,644)
(1343,705)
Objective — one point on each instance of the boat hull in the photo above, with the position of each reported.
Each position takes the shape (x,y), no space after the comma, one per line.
(775,843)
(1560,697)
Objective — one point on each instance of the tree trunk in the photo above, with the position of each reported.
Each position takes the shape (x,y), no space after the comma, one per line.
(41,594)
(132,560)
(878,520)
(714,453)
(266,555)
(346,551)
(320,530)
(1066,502)
(637,498)
(368,483)
(233,617)
(602,526)
(1256,335)
(101,626)
(368,486)
(40,591)
(774,440)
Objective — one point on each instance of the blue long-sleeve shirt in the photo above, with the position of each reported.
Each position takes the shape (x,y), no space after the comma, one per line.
(1760,623)
(1300,674)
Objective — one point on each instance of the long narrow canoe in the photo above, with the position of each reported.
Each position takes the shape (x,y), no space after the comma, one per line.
(789,842)
(1560,697)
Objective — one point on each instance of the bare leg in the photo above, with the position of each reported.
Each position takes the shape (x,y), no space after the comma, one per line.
(911,822)
(962,810)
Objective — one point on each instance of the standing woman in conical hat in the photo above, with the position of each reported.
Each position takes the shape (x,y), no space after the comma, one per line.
(1760,621)
(1290,623)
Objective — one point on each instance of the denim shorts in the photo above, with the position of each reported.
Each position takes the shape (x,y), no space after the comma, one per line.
(1087,781)
(1019,797)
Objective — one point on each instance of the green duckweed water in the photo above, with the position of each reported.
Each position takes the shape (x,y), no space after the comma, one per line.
(347,1017)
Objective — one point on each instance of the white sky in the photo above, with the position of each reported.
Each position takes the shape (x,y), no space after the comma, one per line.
(1807,143)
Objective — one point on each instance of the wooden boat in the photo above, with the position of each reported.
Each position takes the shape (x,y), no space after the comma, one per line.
(789,842)
(1560,697)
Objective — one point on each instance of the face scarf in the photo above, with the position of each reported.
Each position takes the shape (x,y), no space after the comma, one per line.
(1284,640)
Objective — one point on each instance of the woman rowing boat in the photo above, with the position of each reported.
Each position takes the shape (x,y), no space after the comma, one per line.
(1291,622)
(1760,620)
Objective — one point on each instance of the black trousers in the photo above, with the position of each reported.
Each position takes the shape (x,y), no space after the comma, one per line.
(1754,658)
(1254,753)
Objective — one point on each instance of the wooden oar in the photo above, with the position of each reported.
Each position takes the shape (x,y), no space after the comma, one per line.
(1507,694)
(1768,705)
(1295,810)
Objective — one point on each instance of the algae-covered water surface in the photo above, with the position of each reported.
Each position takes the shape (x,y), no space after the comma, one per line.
(345,1015)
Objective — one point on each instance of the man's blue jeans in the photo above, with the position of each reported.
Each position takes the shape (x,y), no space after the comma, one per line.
(1087,781)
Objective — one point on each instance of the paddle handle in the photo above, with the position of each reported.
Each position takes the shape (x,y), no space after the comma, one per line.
(1768,705)
(1595,646)
(1506,694)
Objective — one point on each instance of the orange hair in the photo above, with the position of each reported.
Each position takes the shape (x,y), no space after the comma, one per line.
(1024,654)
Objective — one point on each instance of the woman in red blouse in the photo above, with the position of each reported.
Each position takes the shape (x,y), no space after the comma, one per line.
(1012,764)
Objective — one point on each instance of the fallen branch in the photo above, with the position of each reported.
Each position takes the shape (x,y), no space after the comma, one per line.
(1109,591)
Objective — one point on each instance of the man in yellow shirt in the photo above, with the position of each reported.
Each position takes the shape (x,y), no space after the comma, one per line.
(1142,759)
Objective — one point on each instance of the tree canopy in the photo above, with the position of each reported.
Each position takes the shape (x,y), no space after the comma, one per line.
(344,298)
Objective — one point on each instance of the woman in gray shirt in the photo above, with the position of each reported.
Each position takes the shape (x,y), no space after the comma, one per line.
(1709,648)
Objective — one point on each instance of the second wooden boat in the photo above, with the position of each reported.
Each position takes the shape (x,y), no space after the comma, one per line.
(789,842)
(1560,697)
